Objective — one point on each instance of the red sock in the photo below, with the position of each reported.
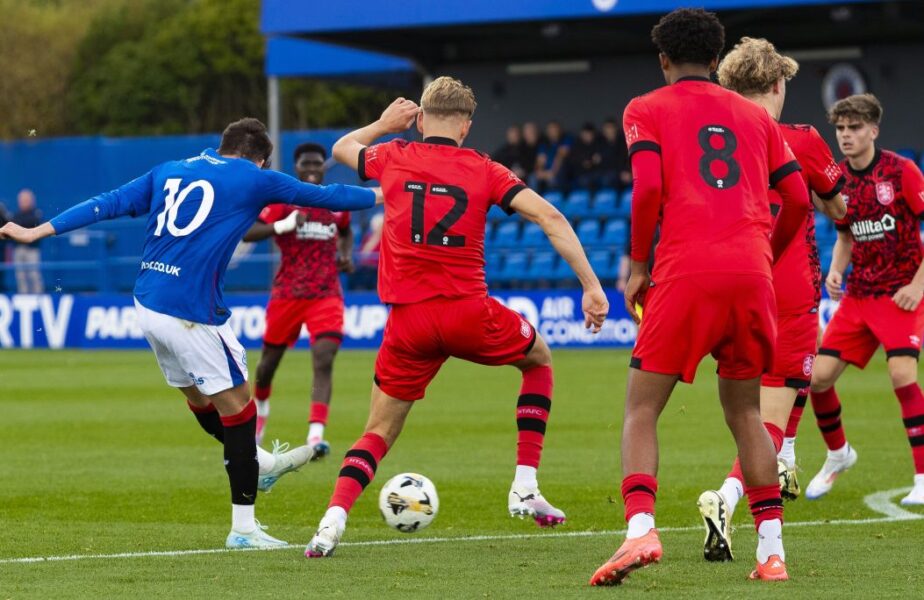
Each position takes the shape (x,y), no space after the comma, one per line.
(766,503)
(912,403)
(776,436)
(827,409)
(358,470)
(318,412)
(262,393)
(533,408)
(796,415)
(638,492)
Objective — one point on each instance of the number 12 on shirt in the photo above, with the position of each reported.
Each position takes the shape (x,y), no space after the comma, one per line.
(436,236)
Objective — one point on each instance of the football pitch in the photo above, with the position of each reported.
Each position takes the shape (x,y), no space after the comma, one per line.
(109,489)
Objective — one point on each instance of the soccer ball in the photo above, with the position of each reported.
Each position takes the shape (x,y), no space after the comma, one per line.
(408,502)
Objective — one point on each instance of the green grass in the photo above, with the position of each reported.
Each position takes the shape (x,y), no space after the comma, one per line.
(99,456)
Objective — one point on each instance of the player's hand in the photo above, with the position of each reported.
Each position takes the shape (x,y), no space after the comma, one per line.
(833,284)
(12,231)
(288,224)
(909,297)
(345,264)
(379,195)
(635,292)
(399,115)
(595,307)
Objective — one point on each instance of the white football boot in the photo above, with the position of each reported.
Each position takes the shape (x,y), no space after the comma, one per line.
(325,540)
(528,502)
(916,496)
(258,538)
(717,518)
(834,465)
(286,462)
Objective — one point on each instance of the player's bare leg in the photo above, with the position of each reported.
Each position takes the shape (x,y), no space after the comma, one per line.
(263,386)
(827,407)
(386,420)
(903,371)
(323,352)
(533,407)
(717,507)
(646,396)
(757,455)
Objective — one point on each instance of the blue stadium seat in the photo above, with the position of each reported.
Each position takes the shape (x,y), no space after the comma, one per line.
(554,196)
(624,207)
(496,214)
(605,203)
(493,265)
(514,267)
(603,264)
(589,232)
(563,272)
(533,236)
(577,205)
(615,234)
(542,267)
(507,234)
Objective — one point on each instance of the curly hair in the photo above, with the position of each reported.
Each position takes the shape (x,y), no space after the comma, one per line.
(753,66)
(689,35)
(861,107)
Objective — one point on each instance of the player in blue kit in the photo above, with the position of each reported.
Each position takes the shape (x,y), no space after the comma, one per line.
(199,209)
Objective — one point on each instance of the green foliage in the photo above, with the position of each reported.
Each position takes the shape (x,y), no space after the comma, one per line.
(147,67)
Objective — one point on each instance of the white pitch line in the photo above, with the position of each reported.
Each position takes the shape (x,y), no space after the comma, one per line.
(878,502)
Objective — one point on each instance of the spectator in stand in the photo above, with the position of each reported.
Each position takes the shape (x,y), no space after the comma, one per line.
(550,171)
(27,257)
(530,146)
(366,273)
(511,153)
(615,171)
(584,159)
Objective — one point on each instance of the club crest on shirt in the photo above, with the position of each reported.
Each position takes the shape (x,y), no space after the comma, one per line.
(525,329)
(807,365)
(915,341)
(885,193)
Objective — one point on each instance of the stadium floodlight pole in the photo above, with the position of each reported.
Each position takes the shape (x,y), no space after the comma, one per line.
(273,116)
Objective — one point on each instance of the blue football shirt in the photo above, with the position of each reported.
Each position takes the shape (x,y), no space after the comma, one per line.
(199,209)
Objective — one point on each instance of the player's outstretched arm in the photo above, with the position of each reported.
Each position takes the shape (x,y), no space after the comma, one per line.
(132,199)
(23,235)
(399,115)
(536,209)
(276,187)
(839,261)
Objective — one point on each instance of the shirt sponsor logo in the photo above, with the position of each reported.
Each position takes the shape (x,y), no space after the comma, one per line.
(312,230)
(870,231)
(151,265)
(885,193)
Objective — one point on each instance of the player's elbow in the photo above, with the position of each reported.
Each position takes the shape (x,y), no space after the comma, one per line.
(341,150)
(550,219)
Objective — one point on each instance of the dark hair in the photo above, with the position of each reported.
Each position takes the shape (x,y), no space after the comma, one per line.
(689,35)
(588,127)
(860,107)
(248,139)
(309,147)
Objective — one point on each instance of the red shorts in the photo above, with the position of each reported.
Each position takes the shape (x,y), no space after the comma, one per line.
(420,337)
(732,317)
(285,316)
(796,343)
(860,324)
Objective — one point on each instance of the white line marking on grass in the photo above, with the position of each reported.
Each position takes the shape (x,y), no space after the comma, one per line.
(881,502)
(878,502)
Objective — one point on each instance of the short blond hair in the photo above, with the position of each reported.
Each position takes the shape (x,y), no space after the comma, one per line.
(753,66)
(448,97)
(859,107)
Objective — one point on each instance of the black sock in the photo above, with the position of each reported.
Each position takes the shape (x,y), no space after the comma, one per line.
(209,420)
(241,454)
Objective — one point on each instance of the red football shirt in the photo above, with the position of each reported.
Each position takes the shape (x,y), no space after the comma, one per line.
(884,204)
(309,254)
(718,153)
(437,197)
(797,274)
